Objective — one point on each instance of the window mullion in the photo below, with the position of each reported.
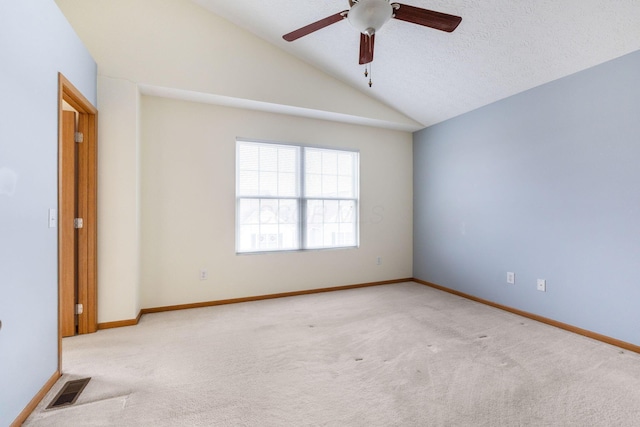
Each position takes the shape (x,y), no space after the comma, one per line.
(302,205)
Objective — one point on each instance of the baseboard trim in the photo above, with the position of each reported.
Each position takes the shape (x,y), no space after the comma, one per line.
(36,400)
(269,296)
(120,323)
(133,322)
(584,332)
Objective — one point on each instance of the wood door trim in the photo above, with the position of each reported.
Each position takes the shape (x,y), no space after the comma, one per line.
(66,233)
(89,322)
(87,188)
(74,97)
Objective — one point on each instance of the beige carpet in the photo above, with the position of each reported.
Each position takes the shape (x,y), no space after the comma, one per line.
(395,355)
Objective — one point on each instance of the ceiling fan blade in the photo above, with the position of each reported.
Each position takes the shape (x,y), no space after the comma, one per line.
(318,25)
(366,48)
(428,18)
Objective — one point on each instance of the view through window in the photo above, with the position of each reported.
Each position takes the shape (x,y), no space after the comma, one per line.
(292,197)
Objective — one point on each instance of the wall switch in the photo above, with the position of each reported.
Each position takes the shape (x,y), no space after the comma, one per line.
(379,261)
(53,218)
(204,275)
(511,277)
(542,285)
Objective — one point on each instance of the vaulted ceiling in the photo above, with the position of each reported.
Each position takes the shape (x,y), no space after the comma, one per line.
(502,47)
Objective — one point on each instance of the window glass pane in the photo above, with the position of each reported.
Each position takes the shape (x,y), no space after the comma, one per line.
(329,162)
(348,222)
(268,183)
(287,159)
(268,224)
(345,186)
(315,212)
(314,236)
(331,211)
(248,182)
(347,235)
(249,156)
(331,235)
(268,211)
(313,184)
(287,184)
(345,164)
(289,239)
(249,211)
(247,235)
(288,212)
(269,238)
(268,158)
(330,173)
(329,186)
(347,212)
(331,223)
(267,170)
(313,161)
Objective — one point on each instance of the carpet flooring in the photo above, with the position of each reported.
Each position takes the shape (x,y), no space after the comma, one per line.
(393,355)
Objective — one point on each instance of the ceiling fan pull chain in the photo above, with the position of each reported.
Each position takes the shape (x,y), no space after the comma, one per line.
(370,73)
(366,73)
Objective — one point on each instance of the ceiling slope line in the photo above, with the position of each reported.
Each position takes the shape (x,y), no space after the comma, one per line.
(249,104)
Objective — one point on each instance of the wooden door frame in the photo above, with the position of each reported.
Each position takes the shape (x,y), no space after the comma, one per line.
(87,208)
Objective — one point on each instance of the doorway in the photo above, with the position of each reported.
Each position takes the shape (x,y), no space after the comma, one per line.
(77,213)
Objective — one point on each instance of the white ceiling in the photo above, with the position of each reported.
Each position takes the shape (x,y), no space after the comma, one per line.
(502,47)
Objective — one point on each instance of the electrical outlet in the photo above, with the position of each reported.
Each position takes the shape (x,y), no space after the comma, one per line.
(511,277)
(379,261)
(204,275)
(542,285)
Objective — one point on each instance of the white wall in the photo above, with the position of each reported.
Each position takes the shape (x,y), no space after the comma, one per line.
(118,200)
(181,46)
(188,205)
(36,43)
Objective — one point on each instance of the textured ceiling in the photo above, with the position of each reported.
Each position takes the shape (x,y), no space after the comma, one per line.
(502,47)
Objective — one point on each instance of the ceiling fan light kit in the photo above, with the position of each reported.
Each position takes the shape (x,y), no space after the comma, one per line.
(368,16)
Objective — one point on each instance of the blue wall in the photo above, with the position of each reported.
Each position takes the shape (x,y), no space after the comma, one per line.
(36,43)
(546,184)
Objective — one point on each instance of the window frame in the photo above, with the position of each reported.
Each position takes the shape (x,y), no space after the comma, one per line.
(302,222)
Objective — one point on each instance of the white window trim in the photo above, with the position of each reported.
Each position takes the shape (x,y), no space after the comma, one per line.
(301,199)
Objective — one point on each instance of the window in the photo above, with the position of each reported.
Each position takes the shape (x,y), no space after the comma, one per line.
(292,197)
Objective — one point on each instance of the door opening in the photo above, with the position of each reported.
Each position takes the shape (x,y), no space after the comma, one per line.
(77,204)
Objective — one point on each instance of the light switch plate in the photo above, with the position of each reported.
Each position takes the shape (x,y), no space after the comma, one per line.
(53,218)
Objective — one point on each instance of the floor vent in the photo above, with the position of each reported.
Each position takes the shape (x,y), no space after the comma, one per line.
(69,393)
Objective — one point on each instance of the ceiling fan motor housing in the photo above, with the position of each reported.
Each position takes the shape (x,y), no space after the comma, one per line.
(368,16)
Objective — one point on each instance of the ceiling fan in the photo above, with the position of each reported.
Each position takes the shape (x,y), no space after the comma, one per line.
(368,16)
